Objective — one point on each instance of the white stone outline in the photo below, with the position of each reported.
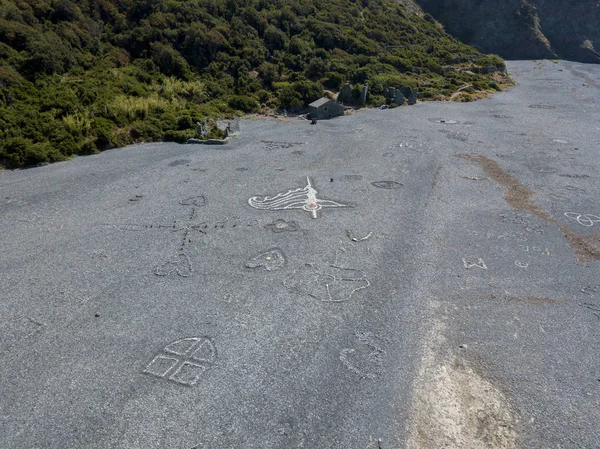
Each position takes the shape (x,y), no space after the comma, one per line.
(184,359)
(479,264)
(279,262)
(174,377)
(304,198)
(587,218)
(355,239)
(164,357)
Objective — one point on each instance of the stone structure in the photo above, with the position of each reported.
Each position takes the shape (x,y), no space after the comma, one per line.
(395,95)
(324,108)
(345,95)
(233,128)
(406,91)
(412,99)
(398,97)
(363,94)
(202,129)
(230,127)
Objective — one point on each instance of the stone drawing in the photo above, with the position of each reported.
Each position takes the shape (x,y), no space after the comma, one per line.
(328,284)
(525,220)
(126,227)
(513,236)
(470,262)
(534,249)
(271,260)
(386,184)
(366,359)
(583,219)
(541,106)
(281,225)
(591,289)
(303,198)
(456,135)
(357,239)
(540,168)
(443,120)
(179,162)
(198,201)
(575,189)
(520,264)
(204,227)
(274,145)
(184,361)
(179,264)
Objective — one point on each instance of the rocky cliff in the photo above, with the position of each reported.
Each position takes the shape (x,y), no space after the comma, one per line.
(524,29)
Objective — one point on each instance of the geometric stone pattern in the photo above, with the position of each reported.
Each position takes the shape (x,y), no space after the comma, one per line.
(184,361)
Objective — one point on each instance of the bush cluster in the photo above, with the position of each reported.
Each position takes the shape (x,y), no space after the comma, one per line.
(77,77)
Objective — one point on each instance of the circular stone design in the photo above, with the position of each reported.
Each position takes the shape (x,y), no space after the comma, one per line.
(444,121)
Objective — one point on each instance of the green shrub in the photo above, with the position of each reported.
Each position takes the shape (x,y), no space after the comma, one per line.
(334,80)
(216,133)
(376,100)
(263,96)
(243,103)
(185,122)
(19,152)
(289,98)
(490,60)
(169,61)
(177,136)
(144,131)
(103,129)
(308,91)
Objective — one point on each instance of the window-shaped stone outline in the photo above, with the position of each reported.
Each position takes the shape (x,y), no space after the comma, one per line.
(184,361)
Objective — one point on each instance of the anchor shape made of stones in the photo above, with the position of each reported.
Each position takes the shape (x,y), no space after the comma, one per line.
(303,198)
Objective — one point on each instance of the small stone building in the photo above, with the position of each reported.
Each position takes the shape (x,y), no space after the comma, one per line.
(325,108)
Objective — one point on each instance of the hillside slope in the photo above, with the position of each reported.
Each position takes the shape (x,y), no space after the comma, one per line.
(79,76)
(524,29)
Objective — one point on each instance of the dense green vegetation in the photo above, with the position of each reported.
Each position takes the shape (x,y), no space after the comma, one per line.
(79,76)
